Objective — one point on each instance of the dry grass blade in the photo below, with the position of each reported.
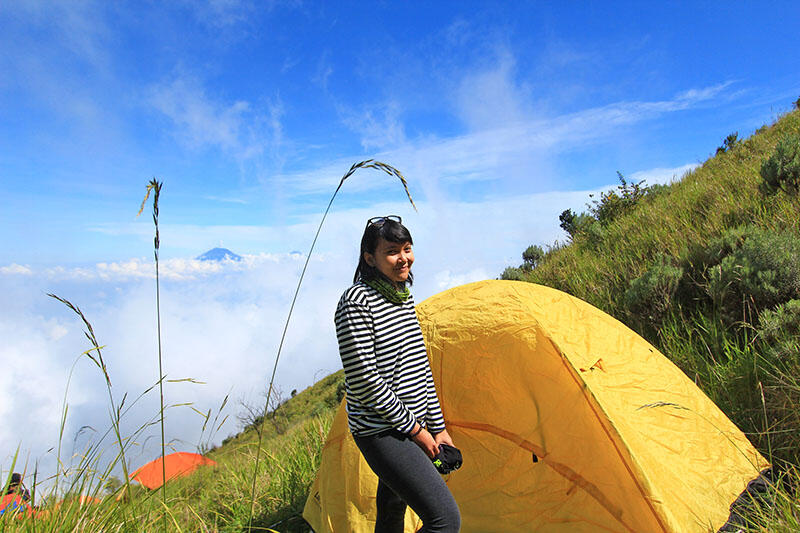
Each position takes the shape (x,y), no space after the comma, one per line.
(378,165)
(662,404)
(153,185)
(115,410)
(369,163)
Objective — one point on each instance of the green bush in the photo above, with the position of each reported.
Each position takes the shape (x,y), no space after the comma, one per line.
(752,269)
(532,256)
(580,225)
(779,340)
(513,274)
(567,222)
(781,171)
(340,391)
(729,143)
(781,325)
(649,296)
(612,203)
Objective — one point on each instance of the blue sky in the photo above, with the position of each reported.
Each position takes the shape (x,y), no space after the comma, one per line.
(501,115)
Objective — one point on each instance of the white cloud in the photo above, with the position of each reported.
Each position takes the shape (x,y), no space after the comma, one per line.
(380,127)
(14,268)
(491,98)
(447,280)
(220,326)
(236,127)
(175,269)
(692,96)
(225,13)
(78,26)
(662,175)
(324,70)
(514,151)
(227,199)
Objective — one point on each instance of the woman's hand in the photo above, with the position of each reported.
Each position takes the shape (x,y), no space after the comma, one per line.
(425,440)
(443,437)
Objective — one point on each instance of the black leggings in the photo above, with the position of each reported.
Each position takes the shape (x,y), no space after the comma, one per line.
(407,476)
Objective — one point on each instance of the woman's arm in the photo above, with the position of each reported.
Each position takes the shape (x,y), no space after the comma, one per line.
(434,418)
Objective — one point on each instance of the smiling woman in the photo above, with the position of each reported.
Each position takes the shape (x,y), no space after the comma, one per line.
(392,406)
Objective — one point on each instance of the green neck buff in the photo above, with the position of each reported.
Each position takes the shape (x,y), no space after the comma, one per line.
(388,290)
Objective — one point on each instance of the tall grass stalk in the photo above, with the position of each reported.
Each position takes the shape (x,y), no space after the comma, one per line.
(155,187)
(100,363)
(62,424)
(369,163)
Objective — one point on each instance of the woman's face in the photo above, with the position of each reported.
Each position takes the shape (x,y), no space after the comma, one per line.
(392,259)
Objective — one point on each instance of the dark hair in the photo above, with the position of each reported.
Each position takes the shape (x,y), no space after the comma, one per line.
(389,230)
(13,484)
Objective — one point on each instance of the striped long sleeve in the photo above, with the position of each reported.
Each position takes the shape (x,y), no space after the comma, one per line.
(387,375)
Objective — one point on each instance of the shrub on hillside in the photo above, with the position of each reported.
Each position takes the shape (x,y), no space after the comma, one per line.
(612,203)
(532,256)
(649,296)
(756,269)
(513,274)
(567,222)
(580,225)
(656,190)
(781,171)
(703,257)
(729,143)
(781,325)
(779,338)
(340,391)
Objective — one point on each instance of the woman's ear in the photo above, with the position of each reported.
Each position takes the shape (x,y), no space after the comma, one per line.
(369,258)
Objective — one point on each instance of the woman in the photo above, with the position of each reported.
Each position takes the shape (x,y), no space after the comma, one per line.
(392,407)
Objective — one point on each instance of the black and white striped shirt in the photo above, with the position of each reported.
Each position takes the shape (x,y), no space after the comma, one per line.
(387,375)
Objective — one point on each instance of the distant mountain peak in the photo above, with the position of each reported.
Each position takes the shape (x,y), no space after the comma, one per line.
(219,254)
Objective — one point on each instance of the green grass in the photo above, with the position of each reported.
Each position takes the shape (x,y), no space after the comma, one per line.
(714,324)
(726,359)
(214,498)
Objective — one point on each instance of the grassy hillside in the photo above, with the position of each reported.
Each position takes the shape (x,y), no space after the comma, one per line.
(214,498)
(708,270)
(293,437)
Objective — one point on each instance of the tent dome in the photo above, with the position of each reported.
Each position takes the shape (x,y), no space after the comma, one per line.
(568,421)
(178,464)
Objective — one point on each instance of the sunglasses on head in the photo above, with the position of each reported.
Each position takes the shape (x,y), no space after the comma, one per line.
(380,221)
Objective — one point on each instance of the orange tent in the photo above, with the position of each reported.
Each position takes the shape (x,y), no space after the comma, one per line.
(86,500)
(175,464)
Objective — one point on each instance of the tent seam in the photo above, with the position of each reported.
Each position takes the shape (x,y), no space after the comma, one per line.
(589,396)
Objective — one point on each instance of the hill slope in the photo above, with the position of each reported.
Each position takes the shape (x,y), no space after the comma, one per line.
(708,270)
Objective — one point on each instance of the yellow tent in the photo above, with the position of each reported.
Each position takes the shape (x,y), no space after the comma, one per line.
(568,422)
